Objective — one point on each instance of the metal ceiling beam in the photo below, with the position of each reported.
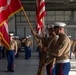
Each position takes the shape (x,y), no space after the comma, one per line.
(53,5)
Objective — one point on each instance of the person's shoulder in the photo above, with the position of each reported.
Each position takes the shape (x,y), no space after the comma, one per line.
(74,41)
(63,37)
(14,41)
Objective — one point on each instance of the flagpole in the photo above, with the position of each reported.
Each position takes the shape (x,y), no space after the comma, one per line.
(41,13)
(30,25)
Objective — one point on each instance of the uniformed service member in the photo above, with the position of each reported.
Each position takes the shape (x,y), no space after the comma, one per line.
(28,44)
(49,69)
(11,53)
(74,48)
(50,60)
(71,42)
(18,46)
(45,42)
(42,47)
(61,50)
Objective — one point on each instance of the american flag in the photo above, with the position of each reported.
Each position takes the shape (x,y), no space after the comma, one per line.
(40,13)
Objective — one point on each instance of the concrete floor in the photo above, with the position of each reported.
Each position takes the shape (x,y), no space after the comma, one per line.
(28,67)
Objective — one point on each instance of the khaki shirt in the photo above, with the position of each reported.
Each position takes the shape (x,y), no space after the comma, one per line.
(18,43)
(50,58)
(61,49)
(28,42)
(74,46)
(13,45)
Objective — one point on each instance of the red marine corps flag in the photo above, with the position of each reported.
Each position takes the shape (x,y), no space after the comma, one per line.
(4,34)
(40,13)
(7,9)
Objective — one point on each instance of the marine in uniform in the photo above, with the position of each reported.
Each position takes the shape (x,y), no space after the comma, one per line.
(42,44)
(28,44)
(45,40)
(71,42)
(11,53)
(61,50)
(18,46)
(74,47)
(50,60)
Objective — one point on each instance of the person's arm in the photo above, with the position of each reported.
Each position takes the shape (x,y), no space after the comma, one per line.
(73,47)
(37,35)
(15,47)
(23,40)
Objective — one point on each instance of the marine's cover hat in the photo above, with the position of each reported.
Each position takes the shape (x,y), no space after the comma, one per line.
(11,34)
(59,24)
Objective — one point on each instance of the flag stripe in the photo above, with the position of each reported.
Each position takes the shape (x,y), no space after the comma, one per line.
(41,16)
(40,13)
